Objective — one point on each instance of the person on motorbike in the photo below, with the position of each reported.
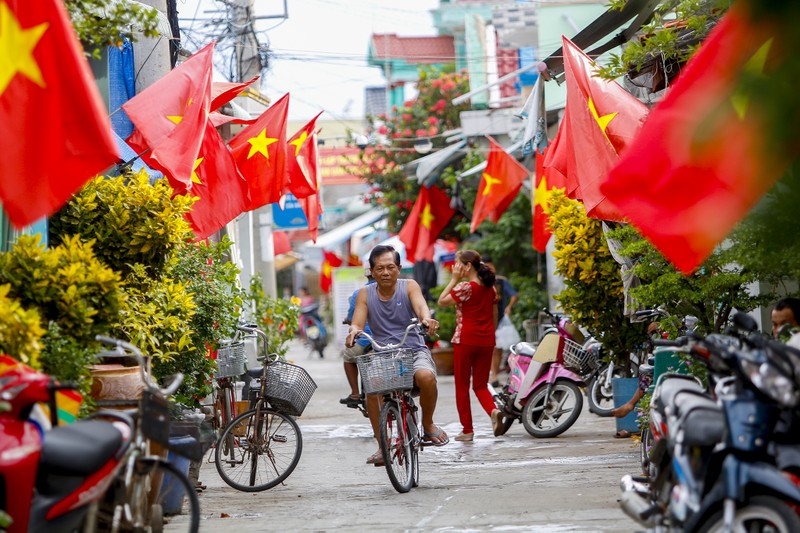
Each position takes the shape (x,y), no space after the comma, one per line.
(388,305)
(653,333)
(784,316)
(349,354)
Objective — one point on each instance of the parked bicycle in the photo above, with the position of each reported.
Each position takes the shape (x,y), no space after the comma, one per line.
(133,502)
(389,371)
(230,365)
(266,442)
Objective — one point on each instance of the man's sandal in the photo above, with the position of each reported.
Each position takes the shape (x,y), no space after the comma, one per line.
(376,459)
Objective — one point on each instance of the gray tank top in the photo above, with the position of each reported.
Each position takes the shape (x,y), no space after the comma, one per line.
(388,319)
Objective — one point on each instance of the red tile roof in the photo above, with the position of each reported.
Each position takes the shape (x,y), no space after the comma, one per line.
(414,49)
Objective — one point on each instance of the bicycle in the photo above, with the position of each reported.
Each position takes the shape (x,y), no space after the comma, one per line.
(389,371)
(230,365)
(266,440)
(133,502)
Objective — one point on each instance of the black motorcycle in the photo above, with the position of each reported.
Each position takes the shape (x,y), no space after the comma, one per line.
(715,468)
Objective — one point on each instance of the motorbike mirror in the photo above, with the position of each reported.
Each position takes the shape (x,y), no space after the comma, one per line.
(745,322)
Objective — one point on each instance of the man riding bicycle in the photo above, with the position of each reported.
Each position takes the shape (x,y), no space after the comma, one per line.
(388,305)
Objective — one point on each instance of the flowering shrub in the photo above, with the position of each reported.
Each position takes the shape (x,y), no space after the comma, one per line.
(594,295)
(427,116)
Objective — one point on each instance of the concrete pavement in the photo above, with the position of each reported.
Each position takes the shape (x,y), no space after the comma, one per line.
(511,483)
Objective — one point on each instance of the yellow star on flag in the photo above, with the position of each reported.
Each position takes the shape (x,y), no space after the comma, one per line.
(195,177)
(542,194)
(426,217)
(259,144)
(740,99)
(326,269)
(601,121)
(176,119)
(489,182)
(298,143)
(16,49)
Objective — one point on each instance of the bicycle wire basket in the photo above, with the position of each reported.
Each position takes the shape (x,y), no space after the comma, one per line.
(230,359)
(387,371)
(289,388)
(576,358)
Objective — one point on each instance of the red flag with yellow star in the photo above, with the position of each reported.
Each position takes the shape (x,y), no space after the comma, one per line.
(602,120)
(54,128)
(221,191)
(500,182)
(301,161)
(427,219)
(260,152)
(312,208)
(170,118)
(704,157)
(330,261)
(546,181)
(223,92)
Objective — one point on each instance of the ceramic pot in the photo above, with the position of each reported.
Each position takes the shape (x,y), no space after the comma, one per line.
(114,382)
(443,358)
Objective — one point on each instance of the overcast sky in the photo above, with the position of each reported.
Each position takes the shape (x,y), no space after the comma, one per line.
(319,51)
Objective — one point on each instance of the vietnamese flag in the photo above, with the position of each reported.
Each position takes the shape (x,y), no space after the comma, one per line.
(223,92)
(260,153)
(330,261)
(703,158)
(546,181)
(312,205)
(603,119)
(54,127)
(221,192)
(170,118)
(556,159)
(427,219)
(500,182)
(301,161)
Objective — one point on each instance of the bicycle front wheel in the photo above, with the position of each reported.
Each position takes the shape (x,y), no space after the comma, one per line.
(265,450)
(396,447)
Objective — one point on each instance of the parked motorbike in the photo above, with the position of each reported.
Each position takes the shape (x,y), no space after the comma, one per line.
(50,474)
(543,390)
(713,466)
(313,329)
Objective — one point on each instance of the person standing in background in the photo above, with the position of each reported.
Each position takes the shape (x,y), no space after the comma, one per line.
(473,340)
(507,297)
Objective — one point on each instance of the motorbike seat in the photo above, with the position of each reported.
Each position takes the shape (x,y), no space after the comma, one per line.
(79,449)
(664,394)
(699,419)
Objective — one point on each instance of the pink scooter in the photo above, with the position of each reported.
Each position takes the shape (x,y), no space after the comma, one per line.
(542,390)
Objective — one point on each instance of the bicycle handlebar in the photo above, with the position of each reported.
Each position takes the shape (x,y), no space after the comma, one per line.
(126,349)
(378,347)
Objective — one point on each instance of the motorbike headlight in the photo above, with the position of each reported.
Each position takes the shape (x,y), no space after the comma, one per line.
(770,381)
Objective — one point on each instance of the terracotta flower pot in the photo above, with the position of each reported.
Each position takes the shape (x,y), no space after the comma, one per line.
(117,383)
(443,357)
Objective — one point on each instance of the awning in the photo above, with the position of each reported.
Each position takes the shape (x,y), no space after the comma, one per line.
(480,166)
(286,260)
(427,168)
(346,230)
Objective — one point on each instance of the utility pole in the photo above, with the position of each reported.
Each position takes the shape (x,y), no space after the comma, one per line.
(256,227)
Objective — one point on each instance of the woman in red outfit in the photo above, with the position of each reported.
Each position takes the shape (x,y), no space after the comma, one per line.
(473,341)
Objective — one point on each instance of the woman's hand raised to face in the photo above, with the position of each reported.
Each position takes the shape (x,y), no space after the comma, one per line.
(458,270)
